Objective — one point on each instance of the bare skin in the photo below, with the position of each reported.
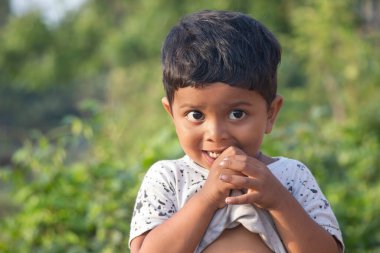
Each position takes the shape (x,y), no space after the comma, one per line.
(297,230)
(221,128)
(197,222)
(238,240)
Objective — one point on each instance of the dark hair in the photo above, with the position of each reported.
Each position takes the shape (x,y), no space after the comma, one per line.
(220,46)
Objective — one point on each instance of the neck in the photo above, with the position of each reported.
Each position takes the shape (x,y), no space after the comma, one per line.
(265,159)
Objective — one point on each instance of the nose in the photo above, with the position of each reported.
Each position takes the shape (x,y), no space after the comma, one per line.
(215,130)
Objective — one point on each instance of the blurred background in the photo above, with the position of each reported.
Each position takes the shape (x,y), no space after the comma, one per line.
(81,117)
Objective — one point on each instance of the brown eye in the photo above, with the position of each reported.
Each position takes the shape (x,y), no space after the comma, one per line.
(236,115)
(195,116)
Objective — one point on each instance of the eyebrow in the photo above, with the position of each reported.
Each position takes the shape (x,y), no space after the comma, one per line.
(240,103)
(188,105)
(234,104)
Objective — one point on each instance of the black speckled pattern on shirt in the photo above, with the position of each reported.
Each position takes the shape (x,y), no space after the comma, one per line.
(168,185)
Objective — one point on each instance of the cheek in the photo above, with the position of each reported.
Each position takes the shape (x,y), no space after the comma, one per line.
(251,143)
(186,136)
(250,138)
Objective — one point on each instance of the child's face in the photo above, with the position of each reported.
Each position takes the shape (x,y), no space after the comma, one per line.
(209,120)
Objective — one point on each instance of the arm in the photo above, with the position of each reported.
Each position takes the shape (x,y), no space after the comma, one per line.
(183,231)
(297,229)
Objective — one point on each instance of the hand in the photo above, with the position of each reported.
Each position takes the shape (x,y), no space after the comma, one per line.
(263,188)
(215,191)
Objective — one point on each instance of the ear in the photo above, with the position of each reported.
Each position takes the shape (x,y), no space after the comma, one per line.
(166,105)
(273,111)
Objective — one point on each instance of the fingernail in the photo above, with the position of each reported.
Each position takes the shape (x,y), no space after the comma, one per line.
(223,177)
(228,201)
(223,162)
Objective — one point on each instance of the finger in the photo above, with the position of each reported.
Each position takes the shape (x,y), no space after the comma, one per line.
(229,152)
(232,150)
(239,182)
(244,164)
(248,198)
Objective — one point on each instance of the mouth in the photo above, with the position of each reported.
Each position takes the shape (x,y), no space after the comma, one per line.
(213,154)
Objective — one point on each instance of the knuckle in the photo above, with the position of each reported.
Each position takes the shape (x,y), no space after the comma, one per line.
(245,198)
(247,182)
(227,172)
(238,151)
(232,150)
(259,198)
(252,199)
(228,151)
(243,158)
(227,163)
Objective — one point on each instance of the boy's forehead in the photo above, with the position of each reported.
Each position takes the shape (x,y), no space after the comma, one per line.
(213,93)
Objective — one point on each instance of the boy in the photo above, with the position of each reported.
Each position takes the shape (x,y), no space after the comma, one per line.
(224,195)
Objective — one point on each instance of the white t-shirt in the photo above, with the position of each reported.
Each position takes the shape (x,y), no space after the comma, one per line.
(169,184)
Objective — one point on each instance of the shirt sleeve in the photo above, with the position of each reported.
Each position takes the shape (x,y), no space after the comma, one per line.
(307,192)
(155,201)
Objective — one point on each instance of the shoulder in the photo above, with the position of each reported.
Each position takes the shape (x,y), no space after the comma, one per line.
(288,167)
(159,186)
(178,170)
(293,174)
(164,167)
(299,180)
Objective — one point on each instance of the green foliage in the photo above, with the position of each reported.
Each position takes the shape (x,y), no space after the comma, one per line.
(54,197)
(72,206)
(345,160)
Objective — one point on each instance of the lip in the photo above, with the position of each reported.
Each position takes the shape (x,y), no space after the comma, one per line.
(216,150)
(208,159)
